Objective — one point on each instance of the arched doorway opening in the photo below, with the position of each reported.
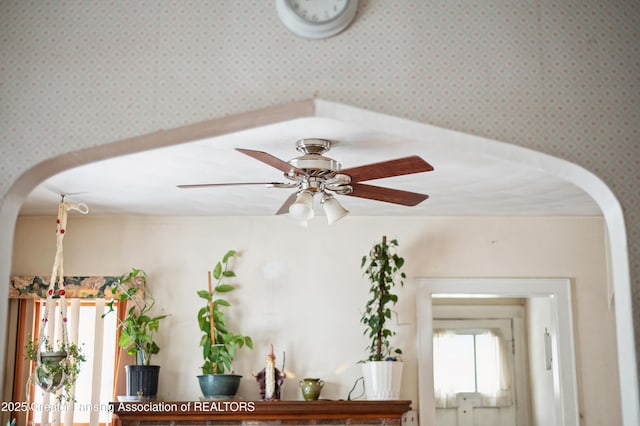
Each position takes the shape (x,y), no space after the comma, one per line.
(591,184)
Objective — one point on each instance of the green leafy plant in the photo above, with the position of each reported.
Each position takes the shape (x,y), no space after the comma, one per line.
(382,268)
(138,327)
(219,345)
(59,373)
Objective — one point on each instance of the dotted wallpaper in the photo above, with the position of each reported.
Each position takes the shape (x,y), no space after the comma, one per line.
(559,77)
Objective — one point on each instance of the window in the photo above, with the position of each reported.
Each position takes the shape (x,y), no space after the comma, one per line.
(470,361)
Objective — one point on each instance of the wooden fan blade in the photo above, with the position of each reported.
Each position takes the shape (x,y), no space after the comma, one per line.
(395,196)
(384,169)
(268,184)
(285,207)
(269,159)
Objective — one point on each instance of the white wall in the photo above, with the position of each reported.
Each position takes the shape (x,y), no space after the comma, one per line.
(302,289)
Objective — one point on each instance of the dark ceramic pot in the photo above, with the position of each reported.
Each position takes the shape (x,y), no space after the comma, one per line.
(219,386)
(142,380)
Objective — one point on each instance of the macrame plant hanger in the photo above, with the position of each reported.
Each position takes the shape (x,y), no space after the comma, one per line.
(57,277)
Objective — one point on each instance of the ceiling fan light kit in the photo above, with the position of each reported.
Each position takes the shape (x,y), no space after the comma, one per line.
(313,173)
(302,209)
(333,209)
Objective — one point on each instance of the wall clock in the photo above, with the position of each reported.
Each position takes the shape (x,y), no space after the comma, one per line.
(316,18)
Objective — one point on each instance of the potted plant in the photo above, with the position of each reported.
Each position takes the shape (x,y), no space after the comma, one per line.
(55,369)
(382,369)
(219,345)
(137,331)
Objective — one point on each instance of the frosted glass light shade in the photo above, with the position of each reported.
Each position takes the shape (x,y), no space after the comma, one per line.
(302,209)
(334,210)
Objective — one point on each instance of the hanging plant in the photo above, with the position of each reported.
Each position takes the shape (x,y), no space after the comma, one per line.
(59,368)
(55,369)
(382,268)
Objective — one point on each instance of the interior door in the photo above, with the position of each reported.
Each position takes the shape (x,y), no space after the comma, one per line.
(475,372)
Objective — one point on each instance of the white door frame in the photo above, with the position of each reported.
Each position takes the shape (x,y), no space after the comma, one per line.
(559,292)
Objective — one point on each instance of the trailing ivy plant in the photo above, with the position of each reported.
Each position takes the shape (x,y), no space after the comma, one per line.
(56,372)
(138,327)
(382,268)
(219,345)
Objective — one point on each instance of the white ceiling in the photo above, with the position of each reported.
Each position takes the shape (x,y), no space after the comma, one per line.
(467,180)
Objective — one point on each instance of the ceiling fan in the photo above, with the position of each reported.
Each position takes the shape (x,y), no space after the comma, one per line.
(312,173)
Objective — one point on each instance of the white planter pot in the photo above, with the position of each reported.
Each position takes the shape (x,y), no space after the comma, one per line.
(382,379)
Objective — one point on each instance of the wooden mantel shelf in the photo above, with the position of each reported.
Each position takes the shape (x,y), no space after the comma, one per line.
(259,412)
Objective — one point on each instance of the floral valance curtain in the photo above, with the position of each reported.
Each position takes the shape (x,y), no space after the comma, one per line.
(89,287)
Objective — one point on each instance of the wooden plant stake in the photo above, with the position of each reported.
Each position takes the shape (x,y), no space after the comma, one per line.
(211,324)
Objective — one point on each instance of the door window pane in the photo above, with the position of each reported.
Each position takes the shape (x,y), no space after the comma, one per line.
(467,361)
(454,365)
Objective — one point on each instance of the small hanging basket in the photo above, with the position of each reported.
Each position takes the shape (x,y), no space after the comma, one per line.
(51,370)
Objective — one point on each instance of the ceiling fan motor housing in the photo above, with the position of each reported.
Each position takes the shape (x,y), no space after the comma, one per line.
(321,173)
(313,162)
